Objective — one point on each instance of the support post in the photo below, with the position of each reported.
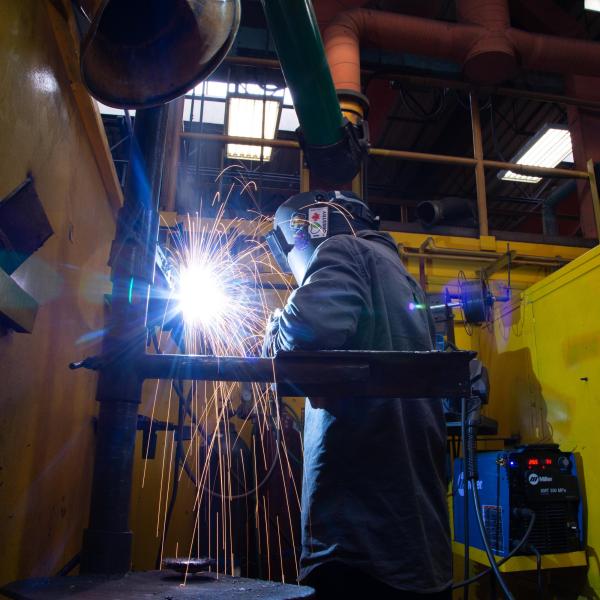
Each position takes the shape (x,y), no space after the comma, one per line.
(174,130)
(479,167)
(304,174)
(595,196)
(107,541)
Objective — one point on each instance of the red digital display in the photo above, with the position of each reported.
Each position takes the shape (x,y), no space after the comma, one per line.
(533,461)
(548,461)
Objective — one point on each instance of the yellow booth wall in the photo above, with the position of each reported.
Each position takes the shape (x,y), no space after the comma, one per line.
(46,411)
(543,355)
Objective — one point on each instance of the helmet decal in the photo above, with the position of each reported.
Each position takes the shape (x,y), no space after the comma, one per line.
(318,222)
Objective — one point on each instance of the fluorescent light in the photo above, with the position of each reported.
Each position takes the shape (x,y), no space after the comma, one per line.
(245,119)
(547,148)
(592,5)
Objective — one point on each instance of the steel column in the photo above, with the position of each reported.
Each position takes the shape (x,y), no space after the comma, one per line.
(107,541)
(594,193)
(479,167)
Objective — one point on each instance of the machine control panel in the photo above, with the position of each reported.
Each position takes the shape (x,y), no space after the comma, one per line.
(544,479)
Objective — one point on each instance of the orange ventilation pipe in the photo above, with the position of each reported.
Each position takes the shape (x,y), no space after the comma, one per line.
(483,42)
(327,10)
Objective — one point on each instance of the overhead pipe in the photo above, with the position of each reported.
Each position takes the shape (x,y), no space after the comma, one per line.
(333,146)
(489,50)
(439,82)
(448,210)
(353,103)
(443,159)
(429,249)
(393,32)
(327,10)
(492,55)
(556,54)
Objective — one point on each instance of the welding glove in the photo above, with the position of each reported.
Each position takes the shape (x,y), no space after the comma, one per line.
(271,331)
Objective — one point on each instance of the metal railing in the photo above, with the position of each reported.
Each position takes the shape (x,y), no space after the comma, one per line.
(477,162)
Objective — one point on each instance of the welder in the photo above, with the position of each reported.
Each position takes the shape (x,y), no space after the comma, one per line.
(374,512)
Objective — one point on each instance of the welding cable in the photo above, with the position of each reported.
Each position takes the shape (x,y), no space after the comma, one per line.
(262,482)
(516,549)
(187,404)
(244,494)
(179,457)
(538,567)
(68,567)
(466,105)
(416,108)
(463,435)
(469,423)
(486,543)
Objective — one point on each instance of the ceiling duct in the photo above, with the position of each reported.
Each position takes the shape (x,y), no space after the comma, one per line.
(141,53)
(489,50)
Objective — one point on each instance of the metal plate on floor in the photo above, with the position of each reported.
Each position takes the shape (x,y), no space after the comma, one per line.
(188,565)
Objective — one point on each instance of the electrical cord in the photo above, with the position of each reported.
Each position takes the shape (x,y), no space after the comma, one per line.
(68,567)
(415,107)
(538,566)
(486,543)
(461,281)
(516,549)
(463,434)
(469,424)
(179,457)
(185,408)
(467,106)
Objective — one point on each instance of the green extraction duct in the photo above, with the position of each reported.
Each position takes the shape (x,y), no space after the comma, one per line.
(333,147)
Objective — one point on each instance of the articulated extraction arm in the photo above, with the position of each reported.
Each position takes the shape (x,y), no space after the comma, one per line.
(334,148)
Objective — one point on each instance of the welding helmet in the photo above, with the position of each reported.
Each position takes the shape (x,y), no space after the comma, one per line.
(306,220)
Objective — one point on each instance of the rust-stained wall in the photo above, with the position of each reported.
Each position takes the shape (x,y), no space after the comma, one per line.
(46,412)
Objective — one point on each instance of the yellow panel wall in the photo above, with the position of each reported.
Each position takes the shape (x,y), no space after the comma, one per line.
(543,354)
(46,411)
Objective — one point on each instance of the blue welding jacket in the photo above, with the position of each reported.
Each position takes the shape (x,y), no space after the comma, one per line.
(374,483)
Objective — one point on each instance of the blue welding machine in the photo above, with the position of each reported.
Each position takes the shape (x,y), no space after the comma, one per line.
(540,478)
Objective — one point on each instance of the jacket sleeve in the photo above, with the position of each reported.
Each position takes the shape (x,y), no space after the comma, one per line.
(324,312)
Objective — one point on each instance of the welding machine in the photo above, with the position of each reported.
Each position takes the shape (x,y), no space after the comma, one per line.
(539,478)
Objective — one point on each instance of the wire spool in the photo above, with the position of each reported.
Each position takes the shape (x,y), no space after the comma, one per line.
(474,296)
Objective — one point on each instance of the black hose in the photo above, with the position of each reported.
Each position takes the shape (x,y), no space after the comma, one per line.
(179,458)
(506,558)
(66,569)
(486,543)
(469,424)
(463,433)
(538,566)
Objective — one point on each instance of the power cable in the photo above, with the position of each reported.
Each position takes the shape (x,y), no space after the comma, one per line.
(414,106)
(469,425)
(516,549)
(463,433)
(538,566)
(486,543)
